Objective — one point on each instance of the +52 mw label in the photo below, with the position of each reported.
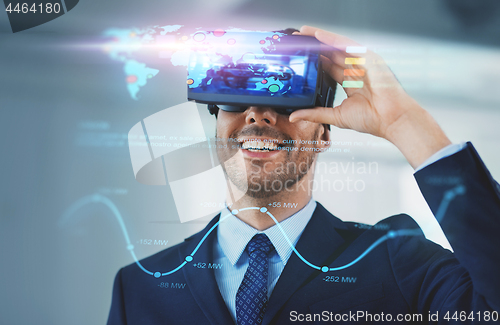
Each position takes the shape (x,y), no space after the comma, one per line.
(27,14)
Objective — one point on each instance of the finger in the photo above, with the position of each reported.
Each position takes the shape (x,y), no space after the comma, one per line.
(340,74)
(325,50)
(312,31)
(336,57)
(334,70)
(335,40)
(336,47)
(308,30)
(346,60)
(342,66)
(322,115)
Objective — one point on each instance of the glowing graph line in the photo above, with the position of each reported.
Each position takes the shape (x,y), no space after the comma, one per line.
(215,226)
(264,210)
(97,198)
(447,198)
(390,234)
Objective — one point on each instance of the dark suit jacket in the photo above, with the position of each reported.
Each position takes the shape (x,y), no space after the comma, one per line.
(403,275)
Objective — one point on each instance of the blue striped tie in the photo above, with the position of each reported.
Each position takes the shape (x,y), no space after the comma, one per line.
(251,298)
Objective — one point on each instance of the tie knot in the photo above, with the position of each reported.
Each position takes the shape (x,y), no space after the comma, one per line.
(260,242)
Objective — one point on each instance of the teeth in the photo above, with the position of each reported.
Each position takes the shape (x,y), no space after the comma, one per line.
(257,145)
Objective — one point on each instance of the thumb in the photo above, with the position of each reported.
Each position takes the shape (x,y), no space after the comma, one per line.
(323,115)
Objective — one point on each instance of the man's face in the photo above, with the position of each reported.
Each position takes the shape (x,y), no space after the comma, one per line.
(277,154)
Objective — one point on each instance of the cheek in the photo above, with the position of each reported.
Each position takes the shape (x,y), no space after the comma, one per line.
(219,128)
(307,131)
(226,124)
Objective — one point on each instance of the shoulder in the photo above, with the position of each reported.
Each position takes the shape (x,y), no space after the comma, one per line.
(406,241)
(404,244)
(394,223)
(400,234)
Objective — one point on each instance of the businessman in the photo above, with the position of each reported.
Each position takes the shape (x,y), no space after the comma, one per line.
(262,280)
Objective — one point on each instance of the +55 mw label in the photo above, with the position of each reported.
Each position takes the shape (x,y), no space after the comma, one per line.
(27,14)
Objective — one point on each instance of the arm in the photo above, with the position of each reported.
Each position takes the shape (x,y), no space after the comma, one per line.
(469,217)
(471,221)
(117,312)
(387,112)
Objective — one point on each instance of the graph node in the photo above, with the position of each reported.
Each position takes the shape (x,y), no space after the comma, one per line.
(460,189)
(97,198)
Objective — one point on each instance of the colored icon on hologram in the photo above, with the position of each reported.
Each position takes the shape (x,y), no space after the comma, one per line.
(354,72)
(352,84)
(355,49)
(359,61)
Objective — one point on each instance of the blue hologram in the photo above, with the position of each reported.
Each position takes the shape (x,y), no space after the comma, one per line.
(97,198)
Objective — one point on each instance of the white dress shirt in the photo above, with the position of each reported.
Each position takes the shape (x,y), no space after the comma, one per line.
(233,236)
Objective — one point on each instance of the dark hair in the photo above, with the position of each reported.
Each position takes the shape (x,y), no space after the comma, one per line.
(289,31)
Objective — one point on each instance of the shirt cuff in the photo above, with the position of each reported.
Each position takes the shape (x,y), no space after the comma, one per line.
(443,153)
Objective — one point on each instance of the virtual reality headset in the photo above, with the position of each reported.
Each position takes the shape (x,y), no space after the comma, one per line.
(234,70)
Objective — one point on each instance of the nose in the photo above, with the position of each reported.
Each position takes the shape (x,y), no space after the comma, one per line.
(261,116)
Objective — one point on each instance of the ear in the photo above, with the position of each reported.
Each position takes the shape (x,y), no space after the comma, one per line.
(213,109)
(324,137)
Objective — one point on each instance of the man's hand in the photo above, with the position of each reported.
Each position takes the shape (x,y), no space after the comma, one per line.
(380,107)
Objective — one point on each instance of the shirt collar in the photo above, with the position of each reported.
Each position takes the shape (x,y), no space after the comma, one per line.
(233,234)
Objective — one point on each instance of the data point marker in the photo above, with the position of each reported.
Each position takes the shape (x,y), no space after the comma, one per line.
(263,209)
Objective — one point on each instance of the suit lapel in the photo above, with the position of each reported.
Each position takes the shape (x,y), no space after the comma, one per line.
(318,241)
(202,283)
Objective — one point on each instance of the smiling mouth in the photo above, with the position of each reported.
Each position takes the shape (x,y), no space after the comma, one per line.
(259,146)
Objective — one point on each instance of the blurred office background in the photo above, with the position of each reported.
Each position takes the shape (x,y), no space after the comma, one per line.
(65,113)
